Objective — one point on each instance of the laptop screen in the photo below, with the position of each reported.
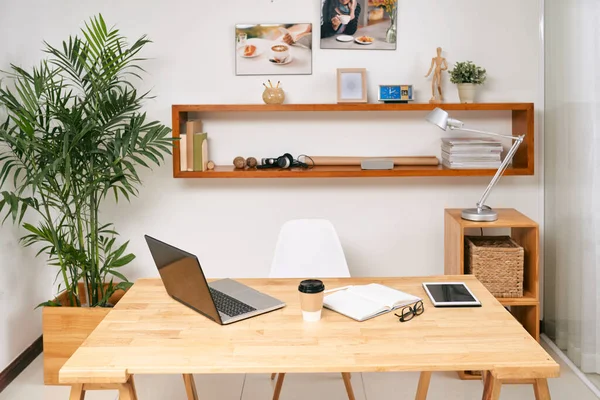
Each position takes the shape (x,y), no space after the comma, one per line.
(183,277)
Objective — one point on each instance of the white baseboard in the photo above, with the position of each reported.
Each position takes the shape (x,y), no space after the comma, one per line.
(572,366)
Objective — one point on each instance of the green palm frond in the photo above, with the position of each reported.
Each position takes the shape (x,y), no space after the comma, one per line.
(76,133)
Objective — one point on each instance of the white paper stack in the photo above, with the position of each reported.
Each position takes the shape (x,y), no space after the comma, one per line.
(469,153)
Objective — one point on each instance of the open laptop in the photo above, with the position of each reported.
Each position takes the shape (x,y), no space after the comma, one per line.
(224,301)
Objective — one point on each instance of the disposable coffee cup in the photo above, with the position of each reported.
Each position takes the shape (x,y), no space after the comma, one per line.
(311,299)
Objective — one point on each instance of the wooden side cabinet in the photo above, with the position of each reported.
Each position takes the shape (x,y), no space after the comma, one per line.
(526,233)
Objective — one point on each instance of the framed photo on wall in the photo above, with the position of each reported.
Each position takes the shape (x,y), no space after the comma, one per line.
(359,24)
(273,49)
(351,85)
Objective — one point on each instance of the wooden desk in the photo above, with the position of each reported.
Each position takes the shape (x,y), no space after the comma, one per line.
(149,333)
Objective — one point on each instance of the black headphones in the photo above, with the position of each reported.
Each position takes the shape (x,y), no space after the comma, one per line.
(285,161)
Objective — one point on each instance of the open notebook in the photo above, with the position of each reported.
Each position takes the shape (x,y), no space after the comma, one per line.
(362,302)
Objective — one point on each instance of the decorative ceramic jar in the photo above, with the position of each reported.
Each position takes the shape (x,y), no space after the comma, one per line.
(273,96)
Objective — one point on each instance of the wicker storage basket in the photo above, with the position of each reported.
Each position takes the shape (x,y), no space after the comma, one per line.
(497,261)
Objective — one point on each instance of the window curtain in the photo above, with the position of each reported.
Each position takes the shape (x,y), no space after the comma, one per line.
(572,179)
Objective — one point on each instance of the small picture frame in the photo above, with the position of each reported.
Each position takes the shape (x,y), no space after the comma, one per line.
(351,85)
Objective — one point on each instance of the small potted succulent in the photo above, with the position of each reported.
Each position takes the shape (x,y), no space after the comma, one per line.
(466,75)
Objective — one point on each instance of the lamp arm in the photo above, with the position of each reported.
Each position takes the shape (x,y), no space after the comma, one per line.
(485,133)
(503,166)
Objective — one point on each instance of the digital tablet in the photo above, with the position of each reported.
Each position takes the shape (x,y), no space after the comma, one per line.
(450,294)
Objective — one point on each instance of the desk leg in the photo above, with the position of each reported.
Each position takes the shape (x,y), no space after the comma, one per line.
(491,387)
(190,387)
(540,388)
(77,393)
(127,392)
(423,387)
(278,385)
(132,383)
(346,377)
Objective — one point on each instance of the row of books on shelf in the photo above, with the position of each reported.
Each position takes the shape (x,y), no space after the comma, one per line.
(193,146)
(470,153)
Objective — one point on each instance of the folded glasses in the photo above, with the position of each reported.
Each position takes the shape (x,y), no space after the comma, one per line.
(409,312)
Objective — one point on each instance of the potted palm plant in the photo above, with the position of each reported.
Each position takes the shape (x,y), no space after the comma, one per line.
(466,75)
(75,135)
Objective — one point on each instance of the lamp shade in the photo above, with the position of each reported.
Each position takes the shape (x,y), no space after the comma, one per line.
(441,118)
(438,117)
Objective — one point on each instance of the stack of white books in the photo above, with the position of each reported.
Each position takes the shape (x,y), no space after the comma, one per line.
(469,153)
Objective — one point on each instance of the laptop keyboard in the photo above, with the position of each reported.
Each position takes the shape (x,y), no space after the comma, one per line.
(228,305)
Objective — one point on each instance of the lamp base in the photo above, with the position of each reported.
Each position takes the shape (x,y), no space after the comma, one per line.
(479,215)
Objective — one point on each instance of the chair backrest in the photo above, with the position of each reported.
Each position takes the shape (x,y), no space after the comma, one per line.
(309,248)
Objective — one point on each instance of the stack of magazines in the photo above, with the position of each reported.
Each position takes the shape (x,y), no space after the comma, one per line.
(469,153)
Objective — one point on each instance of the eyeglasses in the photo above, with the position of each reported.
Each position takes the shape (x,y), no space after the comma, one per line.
(410,312)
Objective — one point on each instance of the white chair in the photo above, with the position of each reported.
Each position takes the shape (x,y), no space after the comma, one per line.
(309,248)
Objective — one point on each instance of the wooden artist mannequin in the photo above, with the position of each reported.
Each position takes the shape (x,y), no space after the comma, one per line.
(440,65)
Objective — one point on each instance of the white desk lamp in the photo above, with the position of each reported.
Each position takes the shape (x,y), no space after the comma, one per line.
(483,213)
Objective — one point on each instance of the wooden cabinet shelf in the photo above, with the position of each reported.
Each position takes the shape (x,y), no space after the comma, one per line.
(522,123)
(528,299)
(228,171)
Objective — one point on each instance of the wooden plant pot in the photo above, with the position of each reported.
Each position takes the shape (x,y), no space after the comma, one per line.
(65,329)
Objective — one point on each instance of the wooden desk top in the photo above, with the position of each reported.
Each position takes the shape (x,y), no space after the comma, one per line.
(149,333)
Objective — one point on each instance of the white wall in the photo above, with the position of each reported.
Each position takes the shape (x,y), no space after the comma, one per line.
(24,283)
(387,226)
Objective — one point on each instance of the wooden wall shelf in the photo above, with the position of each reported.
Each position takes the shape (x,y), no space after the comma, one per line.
(351,107)
(522,123)
(227,171)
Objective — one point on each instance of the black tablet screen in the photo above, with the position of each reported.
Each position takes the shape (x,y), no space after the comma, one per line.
(450,293)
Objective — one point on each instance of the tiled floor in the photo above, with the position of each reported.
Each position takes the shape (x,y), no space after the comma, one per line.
(371,386)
